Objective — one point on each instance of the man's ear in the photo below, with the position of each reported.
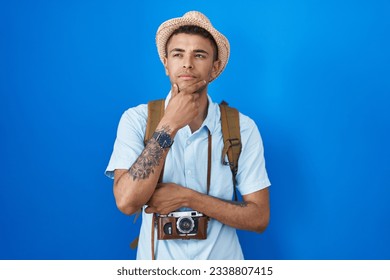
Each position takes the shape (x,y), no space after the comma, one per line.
(165,62)
(215,69)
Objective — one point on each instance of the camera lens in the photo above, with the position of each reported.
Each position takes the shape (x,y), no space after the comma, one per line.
(185,224)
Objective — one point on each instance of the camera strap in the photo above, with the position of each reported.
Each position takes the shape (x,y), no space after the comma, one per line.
(209,161)
(154,217)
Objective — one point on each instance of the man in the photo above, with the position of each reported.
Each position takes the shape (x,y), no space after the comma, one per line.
(189,135)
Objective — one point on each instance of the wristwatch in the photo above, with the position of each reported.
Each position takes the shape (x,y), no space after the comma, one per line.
(163,139)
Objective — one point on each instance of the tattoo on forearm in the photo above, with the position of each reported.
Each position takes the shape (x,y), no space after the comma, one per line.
(148,160)
(165,128)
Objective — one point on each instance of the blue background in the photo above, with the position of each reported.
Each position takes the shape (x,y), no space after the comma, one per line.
(314,75)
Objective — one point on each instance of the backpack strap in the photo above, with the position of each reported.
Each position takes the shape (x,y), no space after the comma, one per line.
(156,110)
(231,139)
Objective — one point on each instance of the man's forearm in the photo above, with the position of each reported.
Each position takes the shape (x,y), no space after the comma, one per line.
(134,188)
(252,214)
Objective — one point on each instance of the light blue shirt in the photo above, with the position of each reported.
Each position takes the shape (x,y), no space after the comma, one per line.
(186,165)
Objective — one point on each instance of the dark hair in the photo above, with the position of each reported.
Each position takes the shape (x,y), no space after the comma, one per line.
(195,30)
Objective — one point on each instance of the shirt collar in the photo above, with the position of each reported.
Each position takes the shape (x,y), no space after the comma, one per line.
(213,113)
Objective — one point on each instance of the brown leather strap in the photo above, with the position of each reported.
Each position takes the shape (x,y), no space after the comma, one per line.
(152,234)
(230,123)
(134,243)
(156,110)
(209,163)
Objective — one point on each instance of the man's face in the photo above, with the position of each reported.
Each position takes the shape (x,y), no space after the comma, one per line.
(190,58)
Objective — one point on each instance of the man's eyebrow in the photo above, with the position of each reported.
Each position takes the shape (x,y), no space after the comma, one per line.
(181,50)
(200,51)
(177,50)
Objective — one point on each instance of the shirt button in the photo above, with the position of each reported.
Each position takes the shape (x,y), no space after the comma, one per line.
(188,172)
(188,142)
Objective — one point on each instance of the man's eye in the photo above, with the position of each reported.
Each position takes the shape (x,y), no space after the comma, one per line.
(177,55)
(200,55)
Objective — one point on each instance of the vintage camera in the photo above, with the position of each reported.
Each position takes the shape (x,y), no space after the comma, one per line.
(182,225)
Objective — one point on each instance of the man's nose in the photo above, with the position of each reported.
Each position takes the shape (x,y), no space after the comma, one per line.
(187,62)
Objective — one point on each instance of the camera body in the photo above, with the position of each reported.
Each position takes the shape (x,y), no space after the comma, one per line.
(182,225)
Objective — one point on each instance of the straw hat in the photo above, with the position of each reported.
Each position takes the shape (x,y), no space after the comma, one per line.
(198,19)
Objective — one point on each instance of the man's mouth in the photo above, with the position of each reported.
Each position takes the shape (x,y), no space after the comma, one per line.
(186,77)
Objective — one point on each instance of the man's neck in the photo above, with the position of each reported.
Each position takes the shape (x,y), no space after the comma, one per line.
(203,109)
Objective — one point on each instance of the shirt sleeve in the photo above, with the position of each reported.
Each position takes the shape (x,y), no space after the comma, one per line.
(129,143)
(252,175)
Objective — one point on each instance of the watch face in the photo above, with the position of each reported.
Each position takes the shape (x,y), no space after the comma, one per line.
(163,139)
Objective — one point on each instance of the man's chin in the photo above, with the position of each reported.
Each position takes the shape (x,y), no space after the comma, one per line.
(183,84)
(186,83)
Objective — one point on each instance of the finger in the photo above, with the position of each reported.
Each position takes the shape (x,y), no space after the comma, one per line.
(150,210)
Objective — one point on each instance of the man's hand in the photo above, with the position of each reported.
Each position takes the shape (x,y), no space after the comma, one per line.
(167,198)
(184,105)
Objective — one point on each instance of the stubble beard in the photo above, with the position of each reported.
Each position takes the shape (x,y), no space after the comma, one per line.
(185,84)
